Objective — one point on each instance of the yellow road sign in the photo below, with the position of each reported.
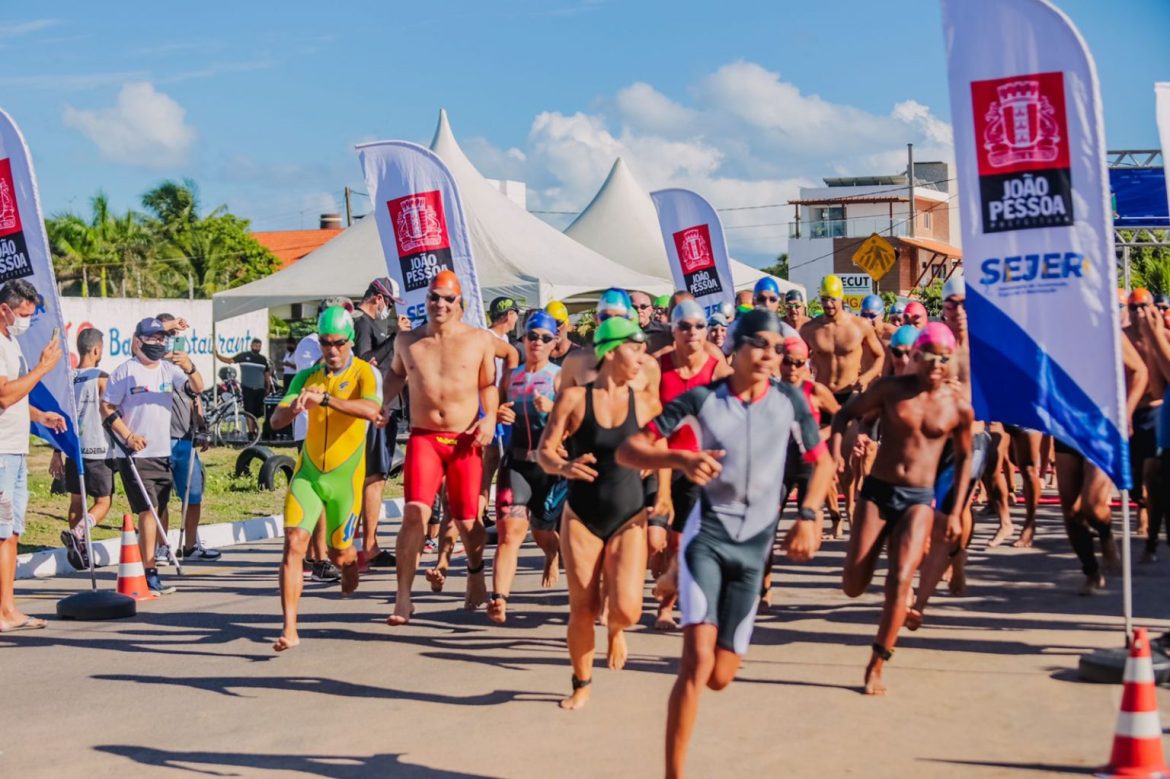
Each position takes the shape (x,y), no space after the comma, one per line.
(875,256)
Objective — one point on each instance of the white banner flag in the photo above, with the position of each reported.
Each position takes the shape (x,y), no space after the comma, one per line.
(24,254)
(421,223)
(695,247)
(1162,102)
(1037,236)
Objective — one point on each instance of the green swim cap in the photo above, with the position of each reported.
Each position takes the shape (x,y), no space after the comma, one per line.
(614,332)
(335,320)
(662,301)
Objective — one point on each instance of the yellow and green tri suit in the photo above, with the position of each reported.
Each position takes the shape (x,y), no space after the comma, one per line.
(332,465)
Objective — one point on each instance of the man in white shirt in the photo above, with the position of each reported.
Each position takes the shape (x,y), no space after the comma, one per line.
(137,407)
(18,303)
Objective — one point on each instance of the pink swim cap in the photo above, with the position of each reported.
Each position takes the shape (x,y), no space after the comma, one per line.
(915,309)
(796,348)
(936,334)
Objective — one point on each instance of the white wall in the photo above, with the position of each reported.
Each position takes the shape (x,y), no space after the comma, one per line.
(116,318)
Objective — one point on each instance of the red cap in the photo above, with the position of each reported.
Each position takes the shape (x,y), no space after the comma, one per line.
(446,279)
(1140,296)
(914,309)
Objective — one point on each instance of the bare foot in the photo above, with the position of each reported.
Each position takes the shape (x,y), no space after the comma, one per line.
(288,639)
(1092,584)
(665,620)
(437,577)
(552,571)
(913,618)
(958,584)
(617,653)
(766,599)
(603,617)
(1001,535)
(497,609)
(578,699)
(349,579)
(403,611)
(873,678)
(476,591)
(1026,537)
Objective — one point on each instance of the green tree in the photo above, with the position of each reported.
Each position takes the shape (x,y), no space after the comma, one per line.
(107,249)
(1149,266)
(779,269)
(930,296)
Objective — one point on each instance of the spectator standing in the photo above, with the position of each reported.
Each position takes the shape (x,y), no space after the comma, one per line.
(18,303)
(255,377)
(138,403)
(288,363)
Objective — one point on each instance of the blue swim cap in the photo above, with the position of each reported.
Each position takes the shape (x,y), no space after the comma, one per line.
(541,320)
(614,302)
(873,303)
(904,337)
(766,284)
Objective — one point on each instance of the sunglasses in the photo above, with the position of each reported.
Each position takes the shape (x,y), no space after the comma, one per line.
(767,299)
(544,339)
(687,327)
(936,359)
(643,307)
(435,297)
(327,344)
(1137,306)
(795,363)
(869,315)
(756,342)
(900,354)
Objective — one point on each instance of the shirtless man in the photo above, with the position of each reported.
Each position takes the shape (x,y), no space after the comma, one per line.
(450,367)
(872,309)
(838,343)
(795,311)
(1143,450)
(896,316)
(916,315)
(580,366)
(918,414)
(1151,325)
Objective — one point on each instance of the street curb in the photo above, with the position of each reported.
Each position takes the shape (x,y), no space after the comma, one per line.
(53,562)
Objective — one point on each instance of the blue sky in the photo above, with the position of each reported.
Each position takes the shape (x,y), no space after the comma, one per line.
(261,103)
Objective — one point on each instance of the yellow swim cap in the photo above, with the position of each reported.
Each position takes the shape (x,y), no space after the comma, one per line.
(558,311)
(831,287)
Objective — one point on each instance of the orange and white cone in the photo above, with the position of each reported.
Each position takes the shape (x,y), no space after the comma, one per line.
(1137,744)
(131,573)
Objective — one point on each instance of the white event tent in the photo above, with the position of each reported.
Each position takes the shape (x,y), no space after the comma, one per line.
(516,254)
(622,223)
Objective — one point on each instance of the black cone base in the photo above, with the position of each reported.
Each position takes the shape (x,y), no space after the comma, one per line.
(97,605)
(1108,666)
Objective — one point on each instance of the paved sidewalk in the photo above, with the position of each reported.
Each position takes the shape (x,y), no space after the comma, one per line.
(987,688)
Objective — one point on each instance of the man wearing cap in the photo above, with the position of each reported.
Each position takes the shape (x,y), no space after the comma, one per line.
(341,395)
(766,297)
(503,313)
(717,330)
(137,407)
(450,368)
(838,343)
(255,376)
(373,342)
(915,315)
(918,413)
(896,316)
(563,347)
(795,312)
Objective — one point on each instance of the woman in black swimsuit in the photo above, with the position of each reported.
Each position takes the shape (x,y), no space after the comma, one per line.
(604,522)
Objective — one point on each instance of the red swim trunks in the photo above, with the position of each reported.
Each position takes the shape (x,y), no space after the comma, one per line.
(431,455)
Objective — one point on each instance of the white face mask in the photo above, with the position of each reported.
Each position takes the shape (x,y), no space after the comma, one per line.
(384,313)
(20,325)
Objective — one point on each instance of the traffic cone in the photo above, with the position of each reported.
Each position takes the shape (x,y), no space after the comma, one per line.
(1137,743)
(131,574)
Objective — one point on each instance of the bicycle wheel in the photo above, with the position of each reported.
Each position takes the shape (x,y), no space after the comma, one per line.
(237,429)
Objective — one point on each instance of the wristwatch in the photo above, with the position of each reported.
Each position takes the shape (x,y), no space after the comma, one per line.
(805,514)
(325,400)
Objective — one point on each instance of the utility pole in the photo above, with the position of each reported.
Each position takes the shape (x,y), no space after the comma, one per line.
(910,175)
(348,209)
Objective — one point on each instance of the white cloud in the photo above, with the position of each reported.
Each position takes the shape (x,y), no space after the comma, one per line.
(745,137)
(144,127)
(17,29)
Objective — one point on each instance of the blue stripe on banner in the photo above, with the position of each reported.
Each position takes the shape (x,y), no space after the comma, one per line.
(1015,381)
(68,442)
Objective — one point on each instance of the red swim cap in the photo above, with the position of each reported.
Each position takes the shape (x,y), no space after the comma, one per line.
(1140,296)
(446,279)
(915,309)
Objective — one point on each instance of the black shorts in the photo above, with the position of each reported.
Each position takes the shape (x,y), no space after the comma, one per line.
(893,501)
(155,473)
(253,402)
(684,494)
(380,442)
(944,486)
(99,477)
(523,483)
(1060,447)
(797,472)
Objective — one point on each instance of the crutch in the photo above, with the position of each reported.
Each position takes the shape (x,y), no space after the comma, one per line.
(153,511)
(187,496)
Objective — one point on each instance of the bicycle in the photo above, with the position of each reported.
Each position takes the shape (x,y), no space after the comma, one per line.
(227,421)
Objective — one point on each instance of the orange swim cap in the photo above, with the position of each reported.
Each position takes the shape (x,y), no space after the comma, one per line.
(446,279)
(1140,296)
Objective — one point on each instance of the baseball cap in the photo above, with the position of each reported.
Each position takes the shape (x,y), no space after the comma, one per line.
(149,326)
(500,306)
(388,288)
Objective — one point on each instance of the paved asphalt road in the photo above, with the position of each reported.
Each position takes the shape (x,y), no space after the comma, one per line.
(191,686)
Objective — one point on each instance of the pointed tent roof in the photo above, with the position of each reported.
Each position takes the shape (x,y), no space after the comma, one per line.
(622,223)
(516,253)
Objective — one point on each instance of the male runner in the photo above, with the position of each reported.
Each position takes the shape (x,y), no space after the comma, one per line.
(918,413)
(342,395)
(89,382)
(743,301)
(796,312)
(743,426)
(450,367)
(896,316)
(643,308)
(872,309)
(1143,449)
(563,346)
(525,493)
(838,343)
(1151,326)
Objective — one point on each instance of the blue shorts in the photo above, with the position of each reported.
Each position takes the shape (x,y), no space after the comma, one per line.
(181,452)
(1163,430)
(14,486)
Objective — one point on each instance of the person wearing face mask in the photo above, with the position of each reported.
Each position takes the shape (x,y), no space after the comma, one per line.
(137,407)
(18,302)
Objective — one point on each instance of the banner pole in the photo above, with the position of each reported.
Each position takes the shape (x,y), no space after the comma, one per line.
(85,522)
(1126,568)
